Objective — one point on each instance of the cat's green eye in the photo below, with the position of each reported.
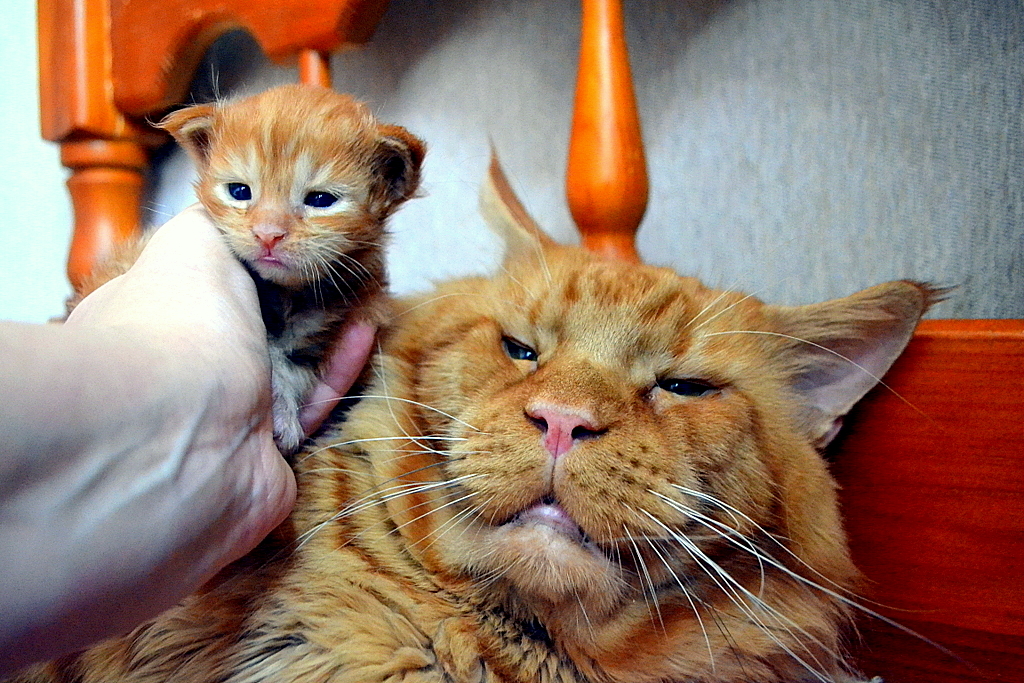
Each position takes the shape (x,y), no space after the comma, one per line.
(517,351)
(693,388)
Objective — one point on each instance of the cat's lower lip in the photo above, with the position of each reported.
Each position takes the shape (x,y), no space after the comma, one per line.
(552,516)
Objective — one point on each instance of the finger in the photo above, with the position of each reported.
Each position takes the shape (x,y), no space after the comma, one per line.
(346,361)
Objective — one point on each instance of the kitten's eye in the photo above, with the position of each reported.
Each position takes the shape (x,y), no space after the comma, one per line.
(240,191)
(517,351)
(319,200)
(687,387)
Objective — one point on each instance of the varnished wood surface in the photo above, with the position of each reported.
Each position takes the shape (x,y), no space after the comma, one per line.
(932,476)
(606,182)
(157,44)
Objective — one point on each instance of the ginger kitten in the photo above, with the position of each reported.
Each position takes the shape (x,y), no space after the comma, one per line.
(575,471)
(301,180)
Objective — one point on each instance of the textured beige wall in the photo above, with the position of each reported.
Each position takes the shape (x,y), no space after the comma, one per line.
(798,149)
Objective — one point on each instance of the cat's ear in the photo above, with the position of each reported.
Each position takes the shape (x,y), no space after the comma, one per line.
(845,346)
(191,128)
(506,215)
(398,158)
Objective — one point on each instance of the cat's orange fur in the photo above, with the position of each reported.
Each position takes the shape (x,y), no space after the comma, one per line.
(577,470)
(320,175)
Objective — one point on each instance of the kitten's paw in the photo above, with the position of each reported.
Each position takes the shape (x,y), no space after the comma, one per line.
(288,433)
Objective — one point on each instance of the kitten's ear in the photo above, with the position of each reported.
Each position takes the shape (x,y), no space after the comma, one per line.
(845,347)
(505,214)
(191,128)
(398,158)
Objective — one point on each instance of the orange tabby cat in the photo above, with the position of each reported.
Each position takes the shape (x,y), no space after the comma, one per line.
(300,180)
(579,470)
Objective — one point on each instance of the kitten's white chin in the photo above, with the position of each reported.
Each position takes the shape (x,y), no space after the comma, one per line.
(277,271)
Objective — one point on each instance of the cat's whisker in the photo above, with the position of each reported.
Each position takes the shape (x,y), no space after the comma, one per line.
(854,604)
(686,593)
(516,280)
(423,405)
(852,362)
(352,442)
(378,496)
(724,293)
(652,605)
(450,524)
(402,490)
(440,297)
(433,511)
(723,311)
(746,602)
(583,611)
(721,531)
(736,513)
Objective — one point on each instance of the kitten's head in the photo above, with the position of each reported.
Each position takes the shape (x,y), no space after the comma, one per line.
(298,177)
(627,452)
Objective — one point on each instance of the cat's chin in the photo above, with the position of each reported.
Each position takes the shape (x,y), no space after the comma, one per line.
(544,553)
(277,271)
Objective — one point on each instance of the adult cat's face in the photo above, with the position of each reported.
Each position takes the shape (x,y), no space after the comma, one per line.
(601,410)
(617,451)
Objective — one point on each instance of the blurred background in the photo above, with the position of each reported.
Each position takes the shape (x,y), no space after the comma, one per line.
(797,149)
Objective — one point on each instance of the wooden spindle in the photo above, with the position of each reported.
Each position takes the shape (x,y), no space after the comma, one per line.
(106,185)
(315,68)
(607,174)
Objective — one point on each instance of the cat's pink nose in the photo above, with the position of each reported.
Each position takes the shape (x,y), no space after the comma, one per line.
(562,427)
(269,234)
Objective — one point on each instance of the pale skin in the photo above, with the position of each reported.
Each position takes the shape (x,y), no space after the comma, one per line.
(137,456)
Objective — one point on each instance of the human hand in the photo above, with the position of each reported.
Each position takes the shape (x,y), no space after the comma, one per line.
(345,362)
(138,456)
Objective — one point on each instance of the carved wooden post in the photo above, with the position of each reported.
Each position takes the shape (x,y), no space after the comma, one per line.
(607,174)
(315,68)
(104,150)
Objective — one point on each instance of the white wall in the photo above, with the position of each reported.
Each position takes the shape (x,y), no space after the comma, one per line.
(35,217)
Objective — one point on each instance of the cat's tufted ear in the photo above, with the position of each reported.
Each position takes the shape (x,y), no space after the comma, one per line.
(191,128)
(505,214)
(398,158)
(845,346)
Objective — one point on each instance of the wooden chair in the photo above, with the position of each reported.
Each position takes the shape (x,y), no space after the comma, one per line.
(930,468)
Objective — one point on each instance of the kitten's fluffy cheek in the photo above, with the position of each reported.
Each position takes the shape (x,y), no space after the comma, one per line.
(544,563)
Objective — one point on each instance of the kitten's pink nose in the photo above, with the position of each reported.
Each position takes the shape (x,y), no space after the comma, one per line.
(562,428)
(269,234)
